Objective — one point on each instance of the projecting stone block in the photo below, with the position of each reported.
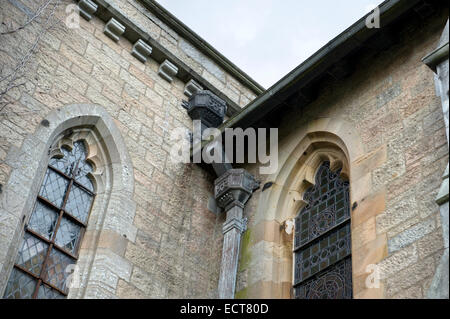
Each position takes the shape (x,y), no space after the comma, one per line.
(234,187)
(114,29)
(207,107)
(167,70)
(141,50)
(87,9)
(191,88)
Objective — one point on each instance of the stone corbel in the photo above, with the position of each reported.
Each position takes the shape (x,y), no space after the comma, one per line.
(210,110)
(232,189)
(141,50)
(167,70)
(206,107)
(114,29)
(191,88)
(87,9)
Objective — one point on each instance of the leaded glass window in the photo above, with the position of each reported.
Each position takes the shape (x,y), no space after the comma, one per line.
(55,229)
(322,245)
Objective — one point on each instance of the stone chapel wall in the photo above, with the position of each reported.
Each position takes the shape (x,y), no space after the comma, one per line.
(388,119)
(173,244)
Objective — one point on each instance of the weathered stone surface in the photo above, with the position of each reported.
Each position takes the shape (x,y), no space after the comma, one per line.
(127,291)
(393,113)
(411,235)
(415,273)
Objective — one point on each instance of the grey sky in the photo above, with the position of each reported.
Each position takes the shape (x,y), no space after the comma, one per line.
(268,38)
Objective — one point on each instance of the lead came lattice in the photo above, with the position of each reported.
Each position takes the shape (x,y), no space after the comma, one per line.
(54,232)
(323,239)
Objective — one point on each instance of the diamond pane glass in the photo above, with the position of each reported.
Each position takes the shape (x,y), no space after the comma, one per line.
(81,175)
(46,292)
(43,220)
(56,273)
(335,283)
(70,168)
(54,187)
(79,203)
(20,285)
(70,159)
(32,254)
(68,235)
(62,164)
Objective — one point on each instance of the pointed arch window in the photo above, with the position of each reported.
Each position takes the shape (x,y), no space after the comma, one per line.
(55,229)
(322,246)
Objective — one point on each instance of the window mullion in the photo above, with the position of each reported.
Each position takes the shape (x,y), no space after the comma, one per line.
(52,241)
(41,274)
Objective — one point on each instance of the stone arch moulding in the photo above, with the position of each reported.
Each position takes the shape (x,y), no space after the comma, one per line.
(301,154)
(299,158)
(98,268)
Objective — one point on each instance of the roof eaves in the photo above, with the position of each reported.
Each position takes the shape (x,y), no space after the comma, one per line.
(356,33)
(185,32)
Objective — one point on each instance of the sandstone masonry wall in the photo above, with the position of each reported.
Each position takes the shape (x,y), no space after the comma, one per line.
(177,245)
(389,117)
(185,51)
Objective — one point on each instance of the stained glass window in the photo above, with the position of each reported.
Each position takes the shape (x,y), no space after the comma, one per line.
(54,232)
(322,245)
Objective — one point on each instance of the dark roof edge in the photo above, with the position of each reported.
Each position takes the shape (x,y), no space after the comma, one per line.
(439,55)
(389,9)
(185,32)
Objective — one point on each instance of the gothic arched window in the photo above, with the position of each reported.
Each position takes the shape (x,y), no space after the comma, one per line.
(323,268)
(53,235)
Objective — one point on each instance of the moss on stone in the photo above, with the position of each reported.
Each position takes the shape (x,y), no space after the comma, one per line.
(241,294)
(245,251)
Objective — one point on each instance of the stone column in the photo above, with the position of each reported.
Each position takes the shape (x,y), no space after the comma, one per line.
(438,62)
(232,190)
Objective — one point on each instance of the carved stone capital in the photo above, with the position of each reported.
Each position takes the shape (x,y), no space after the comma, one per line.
(207,107)
(234,188)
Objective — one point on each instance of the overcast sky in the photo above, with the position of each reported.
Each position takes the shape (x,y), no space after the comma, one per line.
(268,38)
